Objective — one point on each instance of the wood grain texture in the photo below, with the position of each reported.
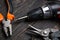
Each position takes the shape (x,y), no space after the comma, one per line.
(21,8)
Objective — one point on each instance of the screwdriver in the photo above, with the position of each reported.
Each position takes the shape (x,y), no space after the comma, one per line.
(44,12)
(35,13)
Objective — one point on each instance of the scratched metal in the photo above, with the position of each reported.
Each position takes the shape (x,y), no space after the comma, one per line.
(21,8)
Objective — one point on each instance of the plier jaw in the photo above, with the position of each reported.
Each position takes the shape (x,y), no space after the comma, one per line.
(40,31)
(7,26)
(45,33)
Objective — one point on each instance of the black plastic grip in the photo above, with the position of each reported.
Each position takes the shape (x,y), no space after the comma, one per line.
(35,14)
(11,6)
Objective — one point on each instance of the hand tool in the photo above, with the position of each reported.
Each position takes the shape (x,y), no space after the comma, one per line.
(47,11)
(43,32)
(8,18)
(55,35)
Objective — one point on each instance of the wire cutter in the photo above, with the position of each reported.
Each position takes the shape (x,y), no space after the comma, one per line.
(45,32)
(8,18)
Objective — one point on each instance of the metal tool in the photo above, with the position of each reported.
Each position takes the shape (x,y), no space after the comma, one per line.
(45,32)
(7,26)
(8,18)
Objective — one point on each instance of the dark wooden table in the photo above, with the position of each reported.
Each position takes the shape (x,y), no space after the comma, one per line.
(21,8)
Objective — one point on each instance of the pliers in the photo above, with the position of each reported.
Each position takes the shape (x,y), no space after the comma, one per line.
(43,32)
(8,18)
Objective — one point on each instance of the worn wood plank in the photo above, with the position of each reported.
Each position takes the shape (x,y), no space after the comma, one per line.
(21,8)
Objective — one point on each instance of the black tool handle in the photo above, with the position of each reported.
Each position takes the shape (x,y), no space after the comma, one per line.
(9,7)
(35,14)
(45,12)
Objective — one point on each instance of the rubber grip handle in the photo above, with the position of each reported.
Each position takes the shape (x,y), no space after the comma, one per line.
(35,14)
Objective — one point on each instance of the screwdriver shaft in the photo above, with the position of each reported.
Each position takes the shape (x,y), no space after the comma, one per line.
(21,18)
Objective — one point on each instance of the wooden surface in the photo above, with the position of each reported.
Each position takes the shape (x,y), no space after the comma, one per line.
(21,8)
